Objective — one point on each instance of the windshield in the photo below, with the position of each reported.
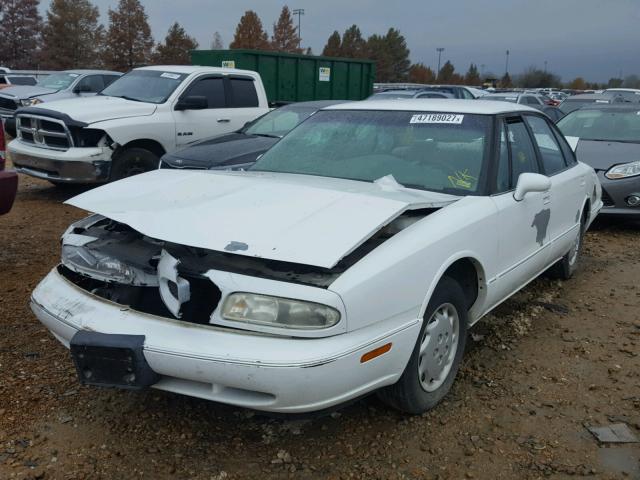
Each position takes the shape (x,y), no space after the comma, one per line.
(58,81)
(278,122)
(616,126)
(441,152)
(571,104)
(22,80)
(151,86)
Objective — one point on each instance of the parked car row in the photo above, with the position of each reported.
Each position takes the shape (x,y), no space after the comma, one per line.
(265,250)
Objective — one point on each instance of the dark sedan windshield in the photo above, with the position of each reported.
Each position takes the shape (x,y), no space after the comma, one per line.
(278,122)
(612,125)
(437,151)
(151,86)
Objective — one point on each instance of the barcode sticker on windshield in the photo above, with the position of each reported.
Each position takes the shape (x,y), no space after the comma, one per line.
(172,76)
(437,118)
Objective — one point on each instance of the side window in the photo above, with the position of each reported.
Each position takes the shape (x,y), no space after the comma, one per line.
(569,155)
(503,182)
(243,93)
(523,155)
(212,88)
(92,84)
(552,158)
(3,80)
(108,79)
(467,95)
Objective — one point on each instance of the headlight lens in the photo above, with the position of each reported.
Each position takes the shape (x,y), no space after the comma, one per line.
(623,171)
(104,267)
(29,102)
(278,312)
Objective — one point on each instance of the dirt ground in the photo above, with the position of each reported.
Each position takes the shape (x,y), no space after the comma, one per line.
(554,359)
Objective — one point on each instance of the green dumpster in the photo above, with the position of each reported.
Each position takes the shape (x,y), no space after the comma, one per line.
(289,77)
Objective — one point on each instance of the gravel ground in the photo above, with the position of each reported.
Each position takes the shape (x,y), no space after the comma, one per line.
(556,357)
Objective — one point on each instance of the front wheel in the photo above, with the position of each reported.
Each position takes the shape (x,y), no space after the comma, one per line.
(437,354)
(133,161)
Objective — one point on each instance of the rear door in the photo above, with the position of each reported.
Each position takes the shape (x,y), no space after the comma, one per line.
(567,186)
(523,236)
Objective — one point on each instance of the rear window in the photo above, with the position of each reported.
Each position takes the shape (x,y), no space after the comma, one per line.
(243,93)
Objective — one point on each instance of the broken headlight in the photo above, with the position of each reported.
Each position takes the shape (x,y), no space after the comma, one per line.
(104,267)
(278,312)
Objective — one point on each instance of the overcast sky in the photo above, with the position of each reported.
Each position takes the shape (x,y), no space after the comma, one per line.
(596,39)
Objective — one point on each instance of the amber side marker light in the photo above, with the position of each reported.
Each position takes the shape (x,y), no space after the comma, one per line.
(376,352)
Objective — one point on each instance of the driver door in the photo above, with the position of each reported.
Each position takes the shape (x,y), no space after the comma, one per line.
(523,225)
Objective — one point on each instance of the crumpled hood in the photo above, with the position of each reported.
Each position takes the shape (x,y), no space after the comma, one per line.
(22,92)
(100,108)
(604,155)
(292,218)
(221,150)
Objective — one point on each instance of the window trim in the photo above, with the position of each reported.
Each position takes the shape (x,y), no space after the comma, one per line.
(539,154)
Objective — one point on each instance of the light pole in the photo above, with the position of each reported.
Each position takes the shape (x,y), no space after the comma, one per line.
(299,12)
(545,66)
(439,50)
(506,66)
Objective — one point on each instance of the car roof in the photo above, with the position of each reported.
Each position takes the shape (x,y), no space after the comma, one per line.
(189,69)
(589,96)
(317,104)
(85,71)
(481,107)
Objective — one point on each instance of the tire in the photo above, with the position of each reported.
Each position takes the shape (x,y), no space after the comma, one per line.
(133,161)
(568,265)
(415,392)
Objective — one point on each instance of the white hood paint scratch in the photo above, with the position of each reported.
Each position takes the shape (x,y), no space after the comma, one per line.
(292,218)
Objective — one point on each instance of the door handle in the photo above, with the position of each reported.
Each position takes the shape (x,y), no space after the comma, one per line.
(224,120)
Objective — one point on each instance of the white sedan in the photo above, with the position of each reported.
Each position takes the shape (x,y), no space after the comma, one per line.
(353,257)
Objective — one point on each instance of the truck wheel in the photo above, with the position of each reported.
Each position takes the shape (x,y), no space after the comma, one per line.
(436,355)
(133,161)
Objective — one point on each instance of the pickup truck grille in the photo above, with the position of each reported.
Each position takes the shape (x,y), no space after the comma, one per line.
(7,105)
(43,132)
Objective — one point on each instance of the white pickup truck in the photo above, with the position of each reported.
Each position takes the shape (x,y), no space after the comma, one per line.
(125,129)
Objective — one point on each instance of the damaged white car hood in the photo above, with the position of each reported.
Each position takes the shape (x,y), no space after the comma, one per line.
(291,218)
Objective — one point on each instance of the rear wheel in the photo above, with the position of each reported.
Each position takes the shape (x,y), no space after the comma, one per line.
(133,161)
(567,265)
(437,354)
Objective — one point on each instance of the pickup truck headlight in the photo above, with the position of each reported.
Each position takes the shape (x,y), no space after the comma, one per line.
(625,170)
(278,312)
(30,102)
(104,267)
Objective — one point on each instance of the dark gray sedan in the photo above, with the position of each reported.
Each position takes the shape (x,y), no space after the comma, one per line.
(241,149)
(609,141)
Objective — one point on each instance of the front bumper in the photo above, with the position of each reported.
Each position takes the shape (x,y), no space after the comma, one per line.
(615,193)
(263,372)
(8,190)
(75,165)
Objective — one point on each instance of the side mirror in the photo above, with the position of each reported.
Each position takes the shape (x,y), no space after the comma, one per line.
(531,182)
(193,102)
(82,88)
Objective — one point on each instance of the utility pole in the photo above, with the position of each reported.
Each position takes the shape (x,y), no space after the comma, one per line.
(545,66)
(439,50)
(299,12)
(506,65)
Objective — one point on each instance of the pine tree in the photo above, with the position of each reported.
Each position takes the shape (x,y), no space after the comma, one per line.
(217,43)
(472,76)
(72,37)
(391,55)
(285,38)
(333,46)
(19,33)
(446,73)
(505,81)
(129,42)
(353,45)
(249,33)
(176,47)
(420,73)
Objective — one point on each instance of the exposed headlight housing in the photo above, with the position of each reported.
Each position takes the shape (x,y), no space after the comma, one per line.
(278,312)
(104,267)
(30,102)
(625,170)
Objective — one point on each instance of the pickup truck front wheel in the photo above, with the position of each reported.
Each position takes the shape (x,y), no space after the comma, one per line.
(436,355)
(133,161)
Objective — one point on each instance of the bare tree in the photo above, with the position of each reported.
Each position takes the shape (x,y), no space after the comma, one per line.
(129,42)
(19,33)
(177,46)
(217,43)
(250,34)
